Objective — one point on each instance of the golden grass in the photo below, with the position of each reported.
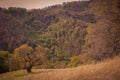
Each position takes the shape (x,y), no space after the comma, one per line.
(106,70)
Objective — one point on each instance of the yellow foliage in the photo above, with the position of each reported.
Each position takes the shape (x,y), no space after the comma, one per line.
(24,55)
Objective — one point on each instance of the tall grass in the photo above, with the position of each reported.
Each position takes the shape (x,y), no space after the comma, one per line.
(106,70)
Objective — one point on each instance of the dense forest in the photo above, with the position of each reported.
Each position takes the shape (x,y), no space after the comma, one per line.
(59,36)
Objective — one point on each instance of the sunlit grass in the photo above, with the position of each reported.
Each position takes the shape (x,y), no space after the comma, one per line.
(106,70)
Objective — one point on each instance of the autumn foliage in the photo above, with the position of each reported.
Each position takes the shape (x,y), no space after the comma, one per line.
(59,36)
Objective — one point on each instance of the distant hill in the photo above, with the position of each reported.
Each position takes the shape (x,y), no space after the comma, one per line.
(75,32)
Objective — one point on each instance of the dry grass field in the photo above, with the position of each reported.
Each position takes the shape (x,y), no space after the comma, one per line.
(106,70)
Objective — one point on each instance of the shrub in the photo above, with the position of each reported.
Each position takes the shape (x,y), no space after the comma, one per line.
(3,61)
(75,61)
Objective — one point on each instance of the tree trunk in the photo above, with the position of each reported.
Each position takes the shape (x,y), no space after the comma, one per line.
(29,69)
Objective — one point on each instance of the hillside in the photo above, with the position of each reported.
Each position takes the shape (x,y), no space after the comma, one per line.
(106,70)
(69,35)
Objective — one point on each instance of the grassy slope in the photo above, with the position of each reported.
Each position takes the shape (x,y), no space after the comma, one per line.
(107,70)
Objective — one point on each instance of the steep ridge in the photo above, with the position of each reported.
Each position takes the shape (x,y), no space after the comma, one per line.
(103,38)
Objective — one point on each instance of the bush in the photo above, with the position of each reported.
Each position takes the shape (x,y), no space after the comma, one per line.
(3,61)
(78,60)
(75,61)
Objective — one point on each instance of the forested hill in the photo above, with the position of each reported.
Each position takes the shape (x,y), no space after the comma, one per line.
(90,29)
